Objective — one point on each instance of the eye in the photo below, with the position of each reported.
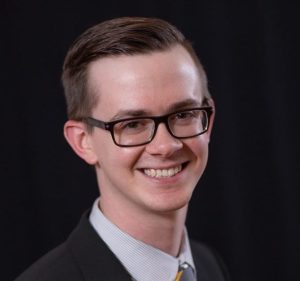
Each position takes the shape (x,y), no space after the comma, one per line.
(135,126)
(132,125)
(184,115)
(185,118)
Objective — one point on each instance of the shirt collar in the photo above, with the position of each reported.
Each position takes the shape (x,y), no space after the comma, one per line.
(142,261)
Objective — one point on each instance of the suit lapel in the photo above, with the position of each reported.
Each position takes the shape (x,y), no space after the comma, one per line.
(208,265)
(92,255)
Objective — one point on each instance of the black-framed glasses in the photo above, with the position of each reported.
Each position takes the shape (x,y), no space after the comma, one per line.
(136,131)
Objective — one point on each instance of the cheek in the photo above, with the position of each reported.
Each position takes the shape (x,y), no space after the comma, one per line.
(117,158)
(199,147)
(128,157)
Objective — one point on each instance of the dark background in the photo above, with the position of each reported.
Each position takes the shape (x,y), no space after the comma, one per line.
(247,203)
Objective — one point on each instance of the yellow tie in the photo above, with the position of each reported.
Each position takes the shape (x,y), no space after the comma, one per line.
(185,273)
(178,276)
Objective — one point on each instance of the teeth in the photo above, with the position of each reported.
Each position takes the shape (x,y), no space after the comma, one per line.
(164,173)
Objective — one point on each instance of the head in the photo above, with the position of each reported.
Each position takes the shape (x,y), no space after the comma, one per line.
(121,36)
(136,67)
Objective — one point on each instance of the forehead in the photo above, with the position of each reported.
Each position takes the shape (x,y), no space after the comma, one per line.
(142,81)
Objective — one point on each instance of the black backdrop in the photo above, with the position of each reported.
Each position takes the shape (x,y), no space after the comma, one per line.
(247,203)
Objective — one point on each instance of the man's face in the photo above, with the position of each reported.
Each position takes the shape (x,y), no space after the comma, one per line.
(151,84)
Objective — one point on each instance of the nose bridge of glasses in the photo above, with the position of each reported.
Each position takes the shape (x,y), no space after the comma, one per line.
(163,142)
(159,120)
(162,123)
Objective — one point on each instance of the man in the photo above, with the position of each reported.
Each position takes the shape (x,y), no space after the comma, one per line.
(140,113)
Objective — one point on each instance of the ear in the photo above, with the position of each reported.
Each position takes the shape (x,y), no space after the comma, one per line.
(79,139)
(212,117)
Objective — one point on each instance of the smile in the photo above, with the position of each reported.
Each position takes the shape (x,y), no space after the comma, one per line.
(163,173)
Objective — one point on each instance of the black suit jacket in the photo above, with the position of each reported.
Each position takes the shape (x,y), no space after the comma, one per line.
(85,257)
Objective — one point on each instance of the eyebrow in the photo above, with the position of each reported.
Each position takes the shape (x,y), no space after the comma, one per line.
(184,104)
(129,113)
(188,103)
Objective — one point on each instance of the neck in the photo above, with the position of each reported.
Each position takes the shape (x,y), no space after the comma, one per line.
(162,230)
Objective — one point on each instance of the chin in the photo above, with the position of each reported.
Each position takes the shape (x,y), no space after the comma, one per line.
(168,203)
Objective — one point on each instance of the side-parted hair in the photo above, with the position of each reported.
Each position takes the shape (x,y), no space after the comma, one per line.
(120,36)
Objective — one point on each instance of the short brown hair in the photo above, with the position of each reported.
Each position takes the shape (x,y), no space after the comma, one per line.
(120,36)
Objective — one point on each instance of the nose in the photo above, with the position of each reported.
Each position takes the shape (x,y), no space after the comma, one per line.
(163,143)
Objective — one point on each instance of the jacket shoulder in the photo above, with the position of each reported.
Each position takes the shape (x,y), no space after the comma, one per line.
(209,264)
(57,265)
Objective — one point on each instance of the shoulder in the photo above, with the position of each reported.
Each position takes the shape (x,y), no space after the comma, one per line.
(57,265)
(209,264)
(84,256)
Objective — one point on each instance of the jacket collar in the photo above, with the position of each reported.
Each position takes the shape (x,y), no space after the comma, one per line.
(92,255)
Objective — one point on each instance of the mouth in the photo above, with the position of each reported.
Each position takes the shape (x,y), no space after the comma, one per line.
(164,173)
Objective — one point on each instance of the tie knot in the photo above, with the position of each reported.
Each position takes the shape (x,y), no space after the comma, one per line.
(185,273)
